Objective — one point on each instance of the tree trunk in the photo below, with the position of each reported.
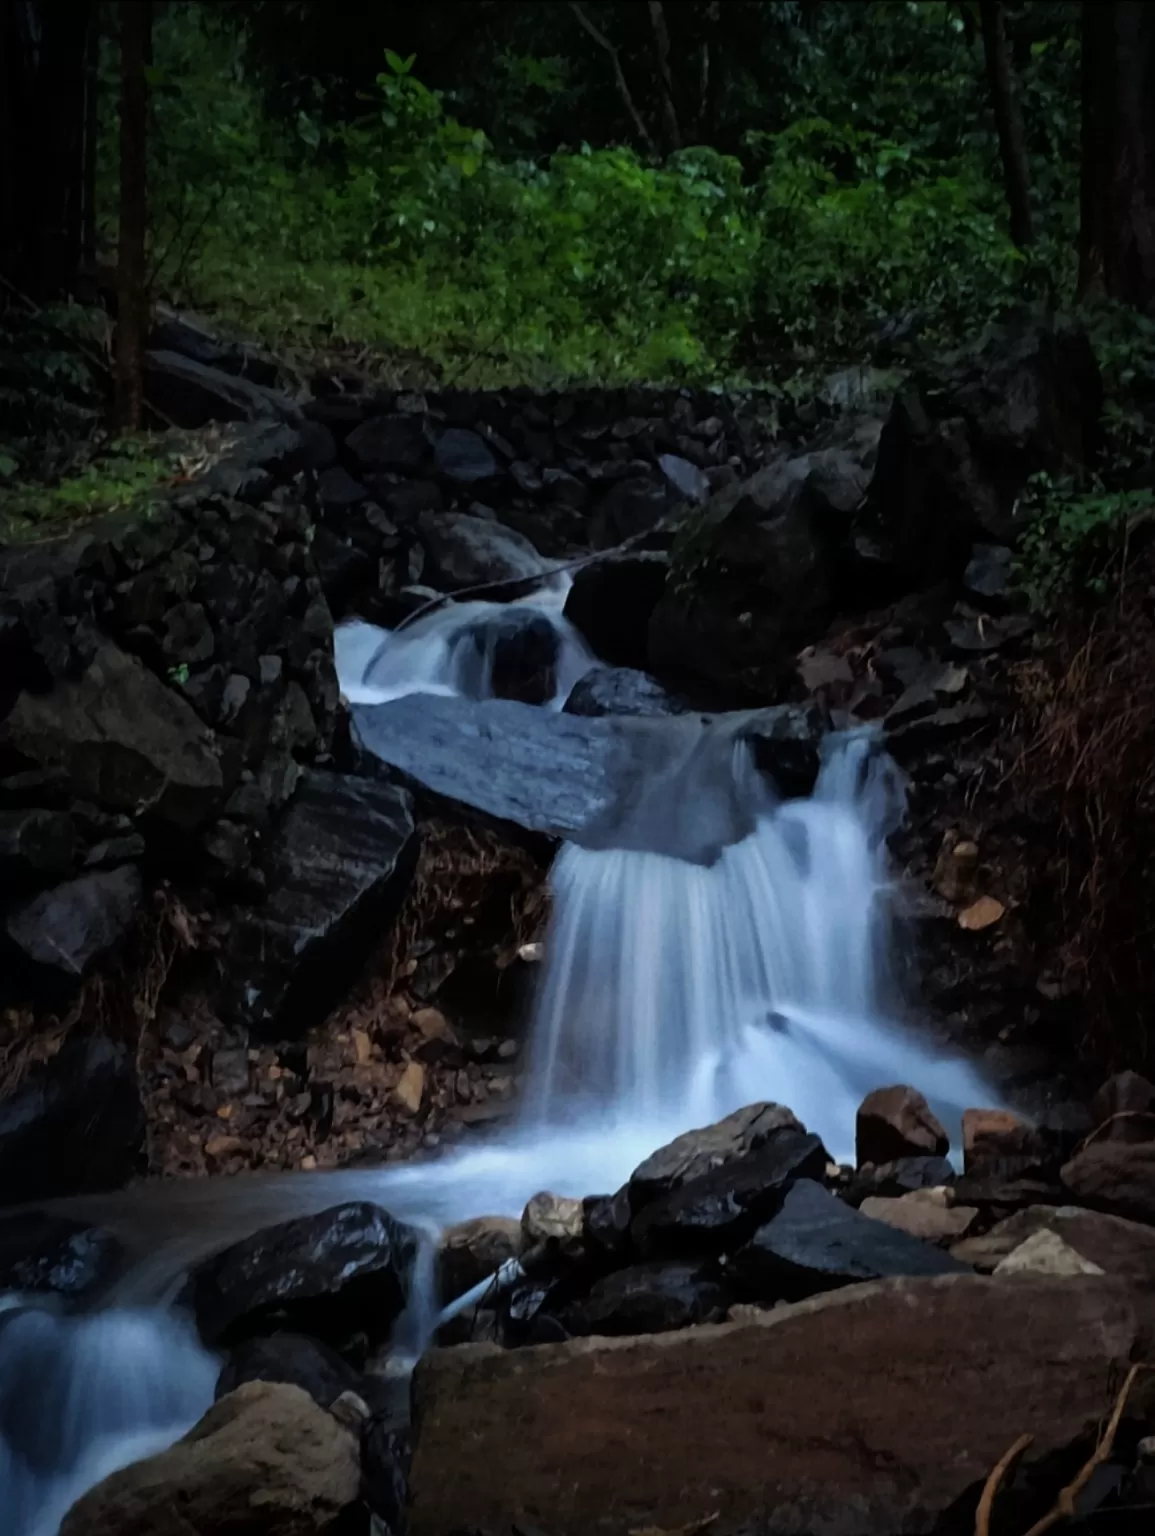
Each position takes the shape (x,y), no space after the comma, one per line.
(1117,231)
(132,290)
(1012,142)
(673,132)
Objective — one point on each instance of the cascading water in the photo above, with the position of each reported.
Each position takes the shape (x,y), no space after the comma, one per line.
(709,947)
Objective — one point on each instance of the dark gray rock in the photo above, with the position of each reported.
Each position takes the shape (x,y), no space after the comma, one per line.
(903,1177)
(817,1242)
(69,927)
(648,1298)
(293,1358)
(974,636)
(697,1153)
(1115,1176)
(470,551)
(512,654)
(690,482)
(342,568)
(390,442)
(463,457)
(73,1123)
(339,491)
(41,1253)
(606,1225)
(337,871)
(622,691)
(631,508)
(174,332)
(721,1209)
(191,394)
(989,576)
(188,636)
(332,1276)
(611,602)
(35,845)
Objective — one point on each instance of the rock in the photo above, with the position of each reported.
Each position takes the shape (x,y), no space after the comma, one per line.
(981,914)
(551,1219)
(471,552)
(1128,1100)
(265,1459)
(339,491)
(606,1224)
(292,1358)
(611,602)
(41,1253)
(175,332)
(1116,1177)
(897,1122)
(330,1276)
(925,1214)
(621,691)
(989,576)
(984,635)
(817,1242)
(1045,1253)
(192,394)
(410,1090)
(890,1181)
(648,1298)
(473,1250)
(665,1431)
(337,872)
(690,482)
(631,508)
(697,1153)
(722,1209)
(35,845)
(385,1455)
(70,927)
(956,869)
(965,436)
(995,1138)
(125,741)
(464,458)
(389,443)
(511,654)
(73,1123)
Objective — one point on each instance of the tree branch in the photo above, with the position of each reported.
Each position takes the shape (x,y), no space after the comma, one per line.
(620,80)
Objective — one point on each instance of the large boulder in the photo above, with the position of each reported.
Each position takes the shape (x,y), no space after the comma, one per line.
(1116,1177)
(510,654)
(125,741)
(1125,1249)
(293,1358)
(612,600)
(337,870)
(622,691)
(467,551)
(266,1460)
(965,436)
(696,1153)
(68,928)
(870,1410)
(648,1298)
(894,1123)
(55,1255)
(191,393)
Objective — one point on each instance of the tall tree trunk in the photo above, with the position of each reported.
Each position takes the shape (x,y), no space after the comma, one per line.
(132,290)
(1012,142)
(1117,194)
(624,93)
(673,131)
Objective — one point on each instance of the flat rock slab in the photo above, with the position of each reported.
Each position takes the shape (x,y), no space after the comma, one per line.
(871,1409)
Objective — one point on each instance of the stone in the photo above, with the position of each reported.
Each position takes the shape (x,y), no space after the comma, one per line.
(687,479)
(611,601)
(989,576)
(410,1090)
(337,870)
(996,1138)
(956,870)
(71,926)
(552,1219)
(510,654)
(339,491)
(890,1181)
(1116,1177)
(723,1208)
(1045,1253)
(176,332)
(188,636)
(697,1153)
(41,1254)
(925,1214)
(396,442)
(648,1298)
(71,1124)
(670,1430)
(473,1250)
(1128,1100)
(817,1242)
(125,741)
(329,1276)
(468,552)
(632,507)
(265,1460)
(463,457)
(984,635)
(35,845)
(621,691)
(293,1358)
(893,1123)
(606,1224)
(191,394)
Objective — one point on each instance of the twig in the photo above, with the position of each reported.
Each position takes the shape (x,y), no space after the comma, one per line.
(624,91)
(994,1483)
(1064,1508)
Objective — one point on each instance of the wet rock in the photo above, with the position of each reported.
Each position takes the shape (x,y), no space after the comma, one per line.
(192,394)
(1116,1177)
(471,551)
(41,1253)
(551,1219)
(464,458)
(1125,1249)
(721,1209)
(648,1298)
(926,1214)
(890,1181)
(1045,1253)
(125,741)
(473,1250)
(621,691)
(513,654)
(690,482)
(989,576)
(337,871)
(611,602)
(72,1124)
(396,442)
(331,1276)
(817,1242)
(874,1355)
(697,1153)
(897,1122)
(385,1458)
(996,1140)
(265,1460)
(35,845)
(606,1224)
(293,1358)
(71,926)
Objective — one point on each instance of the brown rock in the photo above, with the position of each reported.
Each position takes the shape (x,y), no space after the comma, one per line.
(473,1250)
(994,1138)
(552,1218)
(617,1434)
(1116,1177)
(1124,1094)
(925,1214)
(955,870)
(981,914)
(263,1459)
(411,1088)
(897,1122)
(1045,1253)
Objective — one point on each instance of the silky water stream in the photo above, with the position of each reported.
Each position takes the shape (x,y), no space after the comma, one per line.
(674,990)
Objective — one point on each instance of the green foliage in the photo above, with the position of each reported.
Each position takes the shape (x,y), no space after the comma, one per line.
(119,476)
(1075,540)
(51,390)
